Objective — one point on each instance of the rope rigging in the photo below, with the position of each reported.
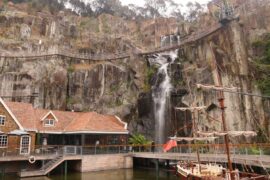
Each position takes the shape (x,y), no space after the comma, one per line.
(229,90)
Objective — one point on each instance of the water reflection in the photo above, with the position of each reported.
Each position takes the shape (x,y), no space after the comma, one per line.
(128,174)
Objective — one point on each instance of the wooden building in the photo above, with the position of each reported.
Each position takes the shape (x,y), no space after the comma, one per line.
(23,127)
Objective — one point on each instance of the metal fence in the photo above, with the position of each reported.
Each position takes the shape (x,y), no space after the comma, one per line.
(240,149)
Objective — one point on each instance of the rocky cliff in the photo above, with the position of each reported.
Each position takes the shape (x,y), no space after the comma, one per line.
(123,86)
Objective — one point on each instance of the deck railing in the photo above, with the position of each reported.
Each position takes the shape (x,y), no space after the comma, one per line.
(238,149)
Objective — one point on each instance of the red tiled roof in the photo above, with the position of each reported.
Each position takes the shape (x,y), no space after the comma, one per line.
(67,122)
(63,117)
(25,114)
(93,121)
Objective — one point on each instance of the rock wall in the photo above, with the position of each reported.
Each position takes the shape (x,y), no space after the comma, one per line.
(223,54)
(123,87)
(71,84)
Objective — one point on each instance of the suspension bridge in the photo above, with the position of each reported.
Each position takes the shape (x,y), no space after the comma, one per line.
(111,57)
(248,7)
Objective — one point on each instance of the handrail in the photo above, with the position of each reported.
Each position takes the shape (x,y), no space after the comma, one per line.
(160,145)
(70,150)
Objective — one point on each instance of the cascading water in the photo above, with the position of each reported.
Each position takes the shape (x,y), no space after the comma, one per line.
(161,92)
(169,40)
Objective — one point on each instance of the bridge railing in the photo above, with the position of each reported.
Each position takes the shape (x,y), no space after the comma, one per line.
(239,149)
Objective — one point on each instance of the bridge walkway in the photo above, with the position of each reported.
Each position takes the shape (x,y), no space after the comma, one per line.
(251,160)
(245,154)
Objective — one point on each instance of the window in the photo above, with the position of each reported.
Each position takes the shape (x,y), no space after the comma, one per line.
(49,122)
(3,141)
(2,120)
(25,144)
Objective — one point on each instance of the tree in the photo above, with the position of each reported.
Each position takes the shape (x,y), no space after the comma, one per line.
(195,10)
(155,8)
(81,8)
(138,139)
(107,6)
(176,10)
(18,1)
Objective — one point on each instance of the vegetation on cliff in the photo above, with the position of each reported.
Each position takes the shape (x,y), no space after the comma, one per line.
(262,63)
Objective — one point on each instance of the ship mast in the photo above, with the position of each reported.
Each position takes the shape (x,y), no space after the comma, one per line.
(194,129)
(194,135)
(222,107)
(226,137)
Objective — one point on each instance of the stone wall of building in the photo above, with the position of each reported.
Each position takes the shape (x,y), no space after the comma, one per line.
(10,124)
(13,145)
(104,162)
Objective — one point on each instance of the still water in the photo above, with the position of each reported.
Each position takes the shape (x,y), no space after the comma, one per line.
(128,174)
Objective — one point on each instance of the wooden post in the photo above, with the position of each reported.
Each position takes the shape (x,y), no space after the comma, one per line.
(3,172)
(168,164)
(157,166)
(175,120)
(82,139)
(66,170)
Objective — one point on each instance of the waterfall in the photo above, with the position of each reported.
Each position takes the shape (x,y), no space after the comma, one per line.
(161,93)
(178,40)
(172,39)
(102,81)
(164,41)
(169,40)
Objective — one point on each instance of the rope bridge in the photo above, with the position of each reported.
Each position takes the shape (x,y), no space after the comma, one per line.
(110,57)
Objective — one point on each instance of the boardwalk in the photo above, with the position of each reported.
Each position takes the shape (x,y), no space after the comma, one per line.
(99,156)
(251,160)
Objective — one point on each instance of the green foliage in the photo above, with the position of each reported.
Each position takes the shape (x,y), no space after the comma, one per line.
(70,101)
(114,87)
(71,69)
(83,23)
(254,151)
(264,85)
(262,63)
(138,139)
(18,1)
(150,73)
(178,83)
(261,135)
(262,49)
(38,5)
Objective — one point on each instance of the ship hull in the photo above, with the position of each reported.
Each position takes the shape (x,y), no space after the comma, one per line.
(189,177)
(187,174)
(184,176)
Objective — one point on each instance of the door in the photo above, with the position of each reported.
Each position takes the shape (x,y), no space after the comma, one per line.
(25,145)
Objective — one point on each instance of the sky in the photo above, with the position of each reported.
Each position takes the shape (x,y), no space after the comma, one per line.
(141,2)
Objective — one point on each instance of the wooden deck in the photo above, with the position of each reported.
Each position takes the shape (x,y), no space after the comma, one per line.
(98,157)
(252,160)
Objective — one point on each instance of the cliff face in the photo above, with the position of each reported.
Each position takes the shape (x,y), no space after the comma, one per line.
(123,87)
(228,53)
(63,83)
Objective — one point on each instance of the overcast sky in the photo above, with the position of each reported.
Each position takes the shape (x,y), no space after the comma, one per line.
(141,2)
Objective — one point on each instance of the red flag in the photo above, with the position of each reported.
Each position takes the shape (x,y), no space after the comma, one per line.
(169,145)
